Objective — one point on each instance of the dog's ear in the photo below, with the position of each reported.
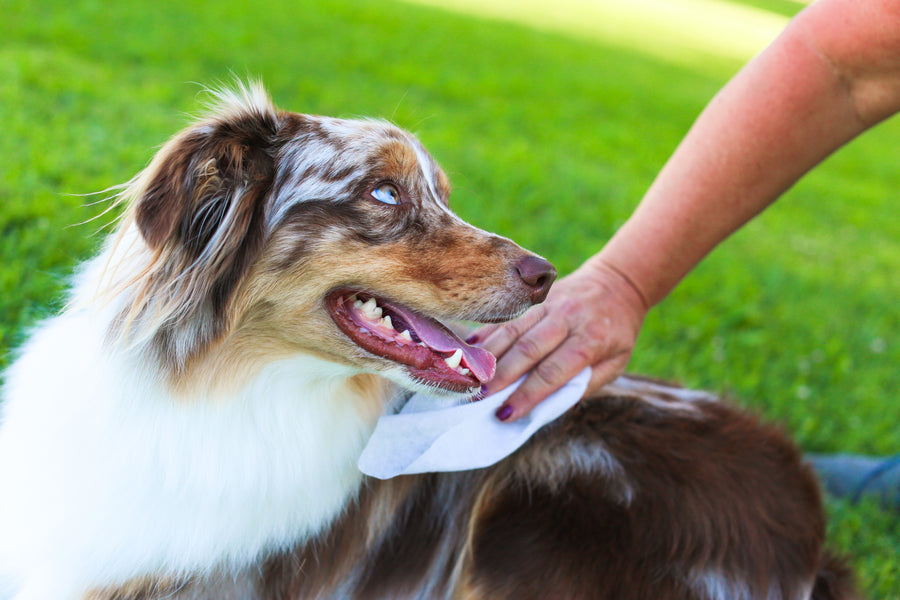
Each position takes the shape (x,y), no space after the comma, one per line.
(200,207)
(204,195)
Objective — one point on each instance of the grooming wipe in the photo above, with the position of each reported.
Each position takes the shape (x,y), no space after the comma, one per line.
(427,436)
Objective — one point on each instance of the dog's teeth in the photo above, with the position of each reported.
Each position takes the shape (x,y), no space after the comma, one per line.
(358,304)
(386,322)
(406,335)
(454,359)
(463,371)
(422,344)
(371,309)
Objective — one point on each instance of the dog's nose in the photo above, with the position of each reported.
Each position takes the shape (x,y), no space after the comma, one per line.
(538,275)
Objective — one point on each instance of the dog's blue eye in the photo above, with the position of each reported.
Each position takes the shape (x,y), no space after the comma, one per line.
(386,193)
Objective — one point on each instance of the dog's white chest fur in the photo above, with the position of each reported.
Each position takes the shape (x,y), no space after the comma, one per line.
(159,485)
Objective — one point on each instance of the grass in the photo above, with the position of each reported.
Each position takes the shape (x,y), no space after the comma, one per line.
(702,34)
(550,134)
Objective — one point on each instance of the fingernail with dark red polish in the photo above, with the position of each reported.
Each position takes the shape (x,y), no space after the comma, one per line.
(505,412)
(472,339)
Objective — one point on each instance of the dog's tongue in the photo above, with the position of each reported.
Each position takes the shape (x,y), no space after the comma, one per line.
(481,362)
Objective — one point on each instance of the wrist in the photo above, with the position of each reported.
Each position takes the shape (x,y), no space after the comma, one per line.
(650,254)
(611,276)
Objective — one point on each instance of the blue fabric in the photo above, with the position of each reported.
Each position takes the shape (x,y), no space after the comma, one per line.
(886,466)
(853,476)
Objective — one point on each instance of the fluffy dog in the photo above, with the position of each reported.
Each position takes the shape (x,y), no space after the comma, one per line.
(189,427)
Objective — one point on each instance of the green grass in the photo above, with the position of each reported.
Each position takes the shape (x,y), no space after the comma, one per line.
(550,137)
(702,34)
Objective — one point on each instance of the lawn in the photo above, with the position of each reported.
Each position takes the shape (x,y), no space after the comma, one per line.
(551,127)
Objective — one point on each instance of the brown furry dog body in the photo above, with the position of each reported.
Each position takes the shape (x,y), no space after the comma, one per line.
(645,491)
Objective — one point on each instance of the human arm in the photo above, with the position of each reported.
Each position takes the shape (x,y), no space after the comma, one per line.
(832,73)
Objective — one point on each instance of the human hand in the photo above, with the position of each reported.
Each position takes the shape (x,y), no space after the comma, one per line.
(590,318)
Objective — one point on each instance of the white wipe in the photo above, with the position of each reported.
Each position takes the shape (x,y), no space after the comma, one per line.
(426,437)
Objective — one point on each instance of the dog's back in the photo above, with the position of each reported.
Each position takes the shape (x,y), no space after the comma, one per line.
(643,492)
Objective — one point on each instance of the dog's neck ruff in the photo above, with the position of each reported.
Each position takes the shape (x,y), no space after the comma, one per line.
(161,485)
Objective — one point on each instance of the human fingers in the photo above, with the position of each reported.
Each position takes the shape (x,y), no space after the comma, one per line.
(547,377)
(500,339)
(527,351)
(560,367)
(605,372)
(482,332)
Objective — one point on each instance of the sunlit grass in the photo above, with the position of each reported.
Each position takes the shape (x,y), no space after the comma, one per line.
(700,33)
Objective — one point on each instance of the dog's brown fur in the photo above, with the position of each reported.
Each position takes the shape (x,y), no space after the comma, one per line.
(642,492)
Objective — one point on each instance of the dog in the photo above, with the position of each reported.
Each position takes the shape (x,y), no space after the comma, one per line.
(189,426)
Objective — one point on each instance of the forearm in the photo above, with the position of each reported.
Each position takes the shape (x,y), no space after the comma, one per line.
(786,111)
(832,73)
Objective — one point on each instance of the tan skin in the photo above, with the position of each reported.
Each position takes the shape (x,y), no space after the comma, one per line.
(832,73)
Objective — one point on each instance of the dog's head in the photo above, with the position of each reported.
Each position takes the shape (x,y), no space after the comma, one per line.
(266,234)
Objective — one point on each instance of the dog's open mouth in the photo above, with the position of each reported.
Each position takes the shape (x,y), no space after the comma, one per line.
(433,353)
